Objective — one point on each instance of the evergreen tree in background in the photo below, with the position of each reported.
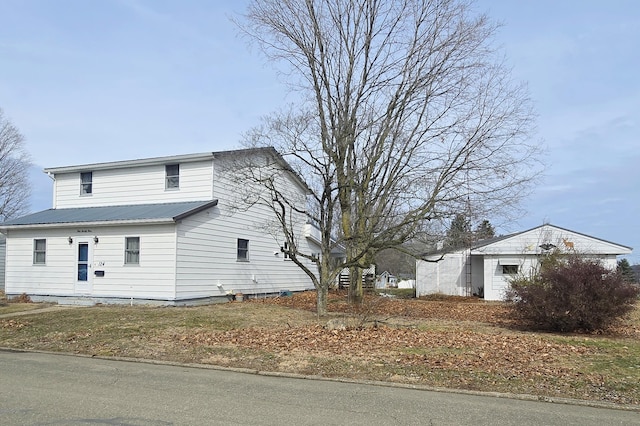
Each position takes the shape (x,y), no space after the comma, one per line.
(460,233)
(627,272)
(484,231)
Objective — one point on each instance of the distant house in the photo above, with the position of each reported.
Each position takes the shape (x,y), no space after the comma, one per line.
(484,268)
(166,230)
(386,280)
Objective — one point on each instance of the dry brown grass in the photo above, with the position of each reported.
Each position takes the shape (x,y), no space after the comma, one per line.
(451,343)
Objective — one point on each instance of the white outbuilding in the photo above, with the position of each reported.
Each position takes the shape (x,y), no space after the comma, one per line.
(485,268)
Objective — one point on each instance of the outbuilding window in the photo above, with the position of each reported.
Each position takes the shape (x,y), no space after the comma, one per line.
(510,266)
(243,250)
(509,269)
(132,250)
(39,251)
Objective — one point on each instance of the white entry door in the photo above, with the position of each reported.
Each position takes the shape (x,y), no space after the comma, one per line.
(83,267)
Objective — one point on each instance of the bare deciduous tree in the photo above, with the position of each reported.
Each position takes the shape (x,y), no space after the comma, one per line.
(407,114)
(14,171)
(270,181)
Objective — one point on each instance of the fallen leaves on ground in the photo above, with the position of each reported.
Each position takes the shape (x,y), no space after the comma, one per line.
(396,335)
(11,323)
(462,343)
(525,356)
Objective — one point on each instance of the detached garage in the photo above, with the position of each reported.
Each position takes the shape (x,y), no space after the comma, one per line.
(484,269)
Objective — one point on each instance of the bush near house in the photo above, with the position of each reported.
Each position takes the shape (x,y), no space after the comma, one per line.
(575,294)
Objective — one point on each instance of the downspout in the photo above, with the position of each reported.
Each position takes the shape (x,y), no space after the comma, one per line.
(470,283)
(53,178)
(176,230)
(213,177)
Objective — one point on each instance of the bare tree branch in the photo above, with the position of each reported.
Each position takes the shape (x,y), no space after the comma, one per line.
(15,187)
(408,115)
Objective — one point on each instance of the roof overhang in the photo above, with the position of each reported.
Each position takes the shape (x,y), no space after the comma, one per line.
(110,215)
(187,158)
(86,224)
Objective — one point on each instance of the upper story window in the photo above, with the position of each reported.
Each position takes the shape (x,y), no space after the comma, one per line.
(172,179)
(132,250)
(39,251)
(243,250)
(86,183)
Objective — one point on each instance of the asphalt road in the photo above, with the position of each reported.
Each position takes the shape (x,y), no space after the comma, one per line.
(45,389)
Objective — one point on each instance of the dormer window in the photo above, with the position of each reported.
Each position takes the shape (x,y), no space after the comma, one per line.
(86,183)
(172,180)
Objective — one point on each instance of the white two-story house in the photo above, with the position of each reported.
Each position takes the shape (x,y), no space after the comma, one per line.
(166,230)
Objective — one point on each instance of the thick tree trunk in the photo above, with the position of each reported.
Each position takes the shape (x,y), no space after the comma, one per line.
(321,301)
(355,285)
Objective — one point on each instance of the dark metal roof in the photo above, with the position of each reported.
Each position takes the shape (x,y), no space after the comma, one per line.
(129,213)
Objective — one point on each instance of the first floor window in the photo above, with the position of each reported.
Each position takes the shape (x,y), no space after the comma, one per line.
(286,251)
(132,250)
(243,249)
(39,252)
(86,183)
(509,269)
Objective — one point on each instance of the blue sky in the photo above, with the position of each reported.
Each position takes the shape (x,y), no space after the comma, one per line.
(105,80)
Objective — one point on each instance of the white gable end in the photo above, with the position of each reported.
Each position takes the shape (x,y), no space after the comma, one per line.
(548,237)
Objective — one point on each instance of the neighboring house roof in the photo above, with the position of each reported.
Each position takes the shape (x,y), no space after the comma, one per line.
(141,213)
(487,242)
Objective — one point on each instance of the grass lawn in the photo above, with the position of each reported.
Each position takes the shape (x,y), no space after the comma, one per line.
(459,343)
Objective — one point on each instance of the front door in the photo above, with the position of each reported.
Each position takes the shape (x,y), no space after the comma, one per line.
(83,268)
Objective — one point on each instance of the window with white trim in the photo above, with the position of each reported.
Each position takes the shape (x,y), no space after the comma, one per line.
(509,269)
(132,250)
(86,183)
(172,173)
(243,250)
(39,251)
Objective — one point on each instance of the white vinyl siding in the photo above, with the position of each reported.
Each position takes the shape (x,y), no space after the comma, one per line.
(136,185)
(207,252)
(442,275)
(56,277)
(152,279)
